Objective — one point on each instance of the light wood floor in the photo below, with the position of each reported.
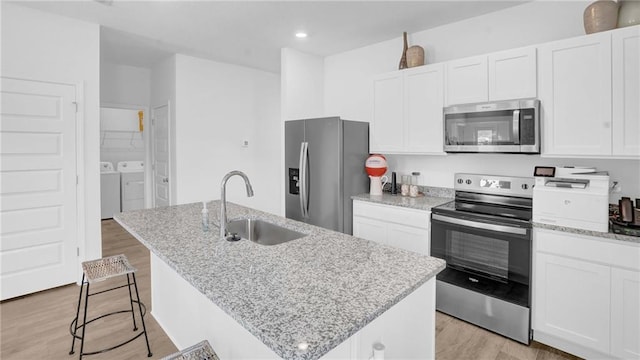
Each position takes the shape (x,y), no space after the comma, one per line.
(37,326)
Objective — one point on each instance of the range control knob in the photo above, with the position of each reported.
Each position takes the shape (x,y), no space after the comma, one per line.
(468,182)
(525,186)
(460,181)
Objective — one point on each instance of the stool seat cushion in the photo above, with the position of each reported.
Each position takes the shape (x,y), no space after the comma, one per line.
(108,267)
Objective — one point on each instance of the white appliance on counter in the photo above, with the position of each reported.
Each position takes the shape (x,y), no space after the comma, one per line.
(132,184)
(578,201)
(109,190)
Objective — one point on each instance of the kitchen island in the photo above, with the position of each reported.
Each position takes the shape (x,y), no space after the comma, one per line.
(326,294)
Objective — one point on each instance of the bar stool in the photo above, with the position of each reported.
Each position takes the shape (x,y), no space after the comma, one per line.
(199,351)
(99,270)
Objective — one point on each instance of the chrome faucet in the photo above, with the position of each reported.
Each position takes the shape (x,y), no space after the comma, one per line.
(223,198)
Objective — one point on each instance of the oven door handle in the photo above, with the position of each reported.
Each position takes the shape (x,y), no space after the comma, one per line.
(480,225)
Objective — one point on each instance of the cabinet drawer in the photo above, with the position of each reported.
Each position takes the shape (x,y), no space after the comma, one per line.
(600,250)
(394,214)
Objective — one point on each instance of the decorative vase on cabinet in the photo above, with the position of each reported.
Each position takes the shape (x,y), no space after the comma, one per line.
(629,13)
(601,15)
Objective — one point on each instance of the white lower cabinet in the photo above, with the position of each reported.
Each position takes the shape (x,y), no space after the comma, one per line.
(586,294)
(573,300)
(392,225)
(625,313)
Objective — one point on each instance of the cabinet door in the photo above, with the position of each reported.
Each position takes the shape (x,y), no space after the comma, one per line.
(467,80)
(370,229)
(512,74)
(626,91)
(625,313)
(423,92)
(575,94)
(572,300)
(409,238)
(387,127)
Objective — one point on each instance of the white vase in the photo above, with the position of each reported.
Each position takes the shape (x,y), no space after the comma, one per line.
(629,13)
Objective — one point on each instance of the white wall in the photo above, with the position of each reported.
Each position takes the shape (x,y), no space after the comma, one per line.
(348,89)
(163,92)
(41,46)
(218,106)
(124,84)
(302,79)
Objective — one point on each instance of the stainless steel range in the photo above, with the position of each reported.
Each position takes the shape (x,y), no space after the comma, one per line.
(485,237)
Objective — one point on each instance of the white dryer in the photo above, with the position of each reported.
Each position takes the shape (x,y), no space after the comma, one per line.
(109,190)
(131,184)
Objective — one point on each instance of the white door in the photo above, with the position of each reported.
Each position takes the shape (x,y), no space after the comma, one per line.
(160,157)
(38,246)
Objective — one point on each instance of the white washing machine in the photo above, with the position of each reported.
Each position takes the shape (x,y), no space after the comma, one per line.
(131,184)
(109,190)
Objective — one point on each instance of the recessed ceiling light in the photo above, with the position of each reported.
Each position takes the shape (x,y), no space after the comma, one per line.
(301,35)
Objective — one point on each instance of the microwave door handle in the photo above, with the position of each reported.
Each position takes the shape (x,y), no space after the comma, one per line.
(516,127)
(480,225)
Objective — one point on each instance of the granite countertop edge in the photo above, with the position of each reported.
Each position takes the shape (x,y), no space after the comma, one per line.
(599,234)
(281,349)
(427,202)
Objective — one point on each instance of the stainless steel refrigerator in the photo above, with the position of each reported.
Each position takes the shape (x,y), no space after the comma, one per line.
(325,166)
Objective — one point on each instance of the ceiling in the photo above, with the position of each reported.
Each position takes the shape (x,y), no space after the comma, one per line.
(251,33)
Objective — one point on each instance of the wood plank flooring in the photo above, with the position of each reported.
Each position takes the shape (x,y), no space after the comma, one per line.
(37,326)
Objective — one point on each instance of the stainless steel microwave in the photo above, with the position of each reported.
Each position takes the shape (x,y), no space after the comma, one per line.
(511,126)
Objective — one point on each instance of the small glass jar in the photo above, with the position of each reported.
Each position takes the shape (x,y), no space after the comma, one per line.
(406,183)
(413,188)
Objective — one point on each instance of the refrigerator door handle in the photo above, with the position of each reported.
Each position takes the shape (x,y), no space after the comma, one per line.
(304,154)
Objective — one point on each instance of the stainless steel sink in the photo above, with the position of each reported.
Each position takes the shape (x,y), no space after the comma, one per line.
(262,232)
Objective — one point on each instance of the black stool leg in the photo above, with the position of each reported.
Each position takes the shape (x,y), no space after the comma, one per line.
(144,328)
(75,330)
(84,321)
(133,315)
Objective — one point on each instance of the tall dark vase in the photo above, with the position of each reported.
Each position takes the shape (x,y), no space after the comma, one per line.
(403,59)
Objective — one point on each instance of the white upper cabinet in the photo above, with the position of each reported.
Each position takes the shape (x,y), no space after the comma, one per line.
(512,74)
(626,91)
(467,80)
(407,111)
(387,129)
(575,95)
(423,89)
(503,75)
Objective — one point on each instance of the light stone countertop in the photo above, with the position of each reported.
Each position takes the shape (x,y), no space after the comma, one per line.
(427,202)
(605,235)
(420,202)
(319,289)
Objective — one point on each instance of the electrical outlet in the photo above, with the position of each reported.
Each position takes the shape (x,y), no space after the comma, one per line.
(616,187)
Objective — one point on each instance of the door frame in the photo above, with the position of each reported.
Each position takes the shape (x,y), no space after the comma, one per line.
(152,140)
(148,198)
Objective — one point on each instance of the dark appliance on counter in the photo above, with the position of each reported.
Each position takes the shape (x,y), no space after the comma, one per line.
(485,236)
(324,167)
(498,127)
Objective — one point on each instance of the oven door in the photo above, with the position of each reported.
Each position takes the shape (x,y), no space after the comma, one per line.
(484,254)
